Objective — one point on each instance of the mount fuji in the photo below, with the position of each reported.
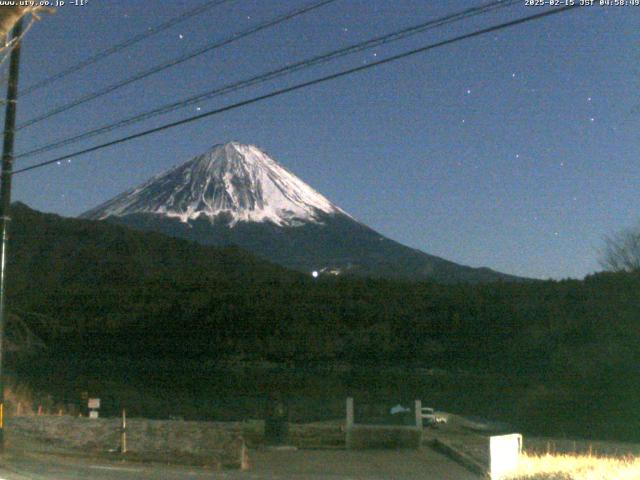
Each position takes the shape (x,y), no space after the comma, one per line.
(236,194)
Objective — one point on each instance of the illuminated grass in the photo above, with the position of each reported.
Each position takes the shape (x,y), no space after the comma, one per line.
(576,467)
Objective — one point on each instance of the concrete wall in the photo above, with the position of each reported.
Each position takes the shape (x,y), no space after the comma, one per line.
(383,436)
(210,443)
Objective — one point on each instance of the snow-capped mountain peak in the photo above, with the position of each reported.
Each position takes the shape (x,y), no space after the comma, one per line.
(234,180)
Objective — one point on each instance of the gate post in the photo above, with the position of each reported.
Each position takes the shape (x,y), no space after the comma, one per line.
(418,412)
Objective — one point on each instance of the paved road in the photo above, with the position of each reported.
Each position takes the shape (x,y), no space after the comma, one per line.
(274,465)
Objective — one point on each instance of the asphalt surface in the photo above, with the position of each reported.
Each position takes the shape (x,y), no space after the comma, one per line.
(278,465)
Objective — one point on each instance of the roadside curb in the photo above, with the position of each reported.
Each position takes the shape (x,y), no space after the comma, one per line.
(462,458)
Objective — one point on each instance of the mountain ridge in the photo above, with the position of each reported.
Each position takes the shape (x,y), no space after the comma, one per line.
(236,194)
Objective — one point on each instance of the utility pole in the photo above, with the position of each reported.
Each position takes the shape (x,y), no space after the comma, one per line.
(5,196)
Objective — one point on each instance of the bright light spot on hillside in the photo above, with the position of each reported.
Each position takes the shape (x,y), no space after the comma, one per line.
(315,274)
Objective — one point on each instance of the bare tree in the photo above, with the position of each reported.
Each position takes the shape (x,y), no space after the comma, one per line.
(622,251)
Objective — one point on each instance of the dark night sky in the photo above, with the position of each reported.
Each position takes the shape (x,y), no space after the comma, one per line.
(517,150)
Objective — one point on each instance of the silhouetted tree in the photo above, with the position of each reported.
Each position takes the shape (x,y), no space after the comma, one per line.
(621,252)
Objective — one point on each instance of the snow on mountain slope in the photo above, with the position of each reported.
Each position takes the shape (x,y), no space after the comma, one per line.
(238,181)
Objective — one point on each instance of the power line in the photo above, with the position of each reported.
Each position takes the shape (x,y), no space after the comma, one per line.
(279,72)
(177,61)
(300,86)
(151,31)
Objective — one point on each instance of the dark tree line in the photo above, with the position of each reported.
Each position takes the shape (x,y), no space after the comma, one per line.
(570,345)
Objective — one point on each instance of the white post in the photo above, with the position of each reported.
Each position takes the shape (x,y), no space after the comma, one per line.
(504,453)
(350,416)
(349,423)
(123,432)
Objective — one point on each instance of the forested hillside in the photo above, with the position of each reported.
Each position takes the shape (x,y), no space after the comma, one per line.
(571,346)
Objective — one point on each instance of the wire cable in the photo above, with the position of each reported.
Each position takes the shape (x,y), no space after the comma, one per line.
(151,31)
(300,86)
(277,73)
(172,63)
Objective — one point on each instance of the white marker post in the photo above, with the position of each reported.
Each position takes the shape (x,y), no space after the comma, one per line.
(504,453)
(349,422)
(123,433)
